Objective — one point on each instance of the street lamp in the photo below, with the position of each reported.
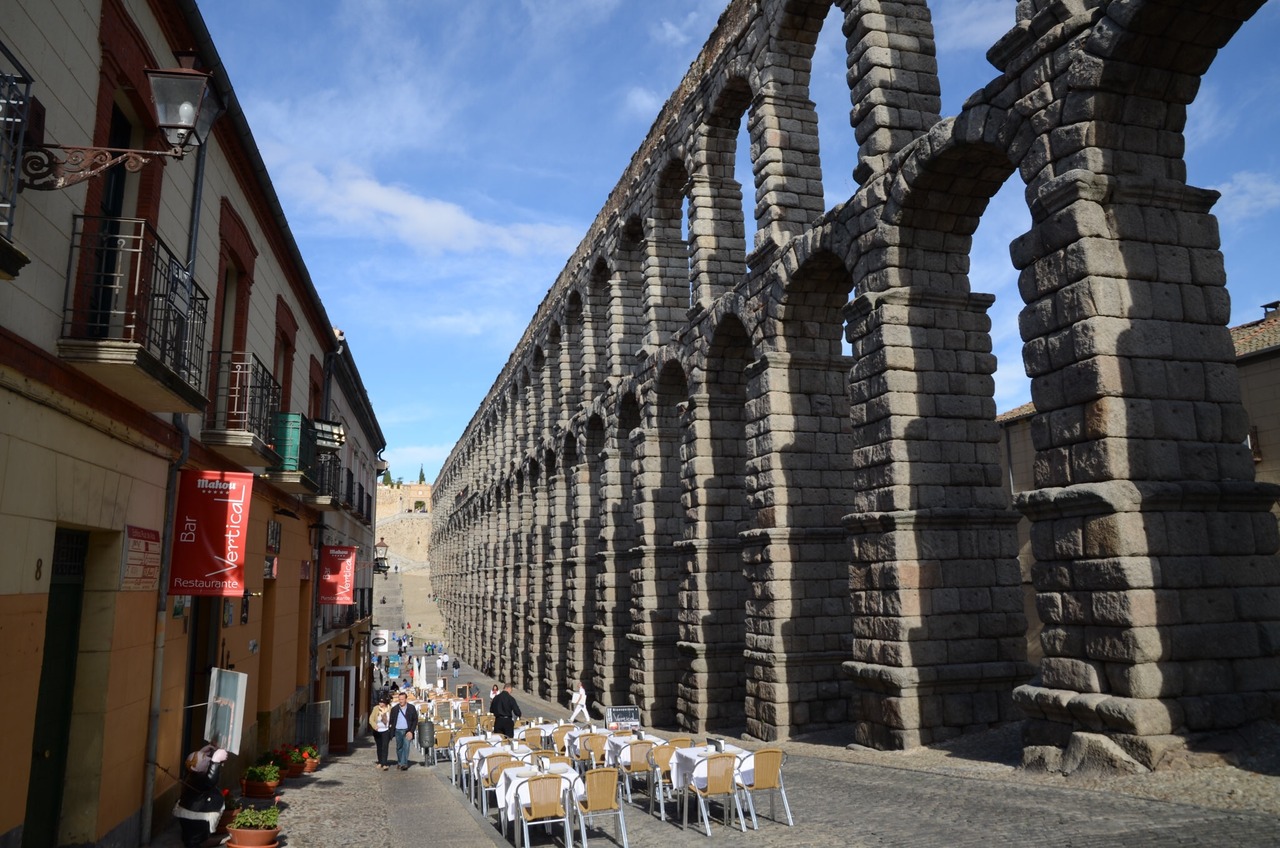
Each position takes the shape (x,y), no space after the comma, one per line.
(380,565)
(186,108)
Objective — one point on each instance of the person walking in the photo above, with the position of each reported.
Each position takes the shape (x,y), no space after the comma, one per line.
(456,666)
(380,724)
(505,712)
(403,721)
(579,701)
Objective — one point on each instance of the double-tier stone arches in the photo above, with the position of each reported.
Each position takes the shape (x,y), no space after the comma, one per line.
(714,513)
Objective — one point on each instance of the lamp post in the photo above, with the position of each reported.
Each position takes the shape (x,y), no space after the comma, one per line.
(380,565)
(186,108)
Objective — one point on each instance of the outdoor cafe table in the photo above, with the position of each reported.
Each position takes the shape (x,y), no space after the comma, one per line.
(686,759)
(571,738)
(479,764)
(459,747)
(508,802)
(614,744)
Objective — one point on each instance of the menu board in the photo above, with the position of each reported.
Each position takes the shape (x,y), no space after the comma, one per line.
(622,718)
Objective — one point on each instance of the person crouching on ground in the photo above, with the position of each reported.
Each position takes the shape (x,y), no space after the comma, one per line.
(505,712)
(403,721)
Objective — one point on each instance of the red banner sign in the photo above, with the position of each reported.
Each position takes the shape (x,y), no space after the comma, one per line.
(338,575)
(210,531)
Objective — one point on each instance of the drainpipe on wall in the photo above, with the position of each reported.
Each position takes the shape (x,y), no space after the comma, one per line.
(166,541)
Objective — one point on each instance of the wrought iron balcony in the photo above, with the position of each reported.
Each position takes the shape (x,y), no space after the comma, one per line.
(328,481)
(15,100)
(294,441)
(134,320)
(238,424)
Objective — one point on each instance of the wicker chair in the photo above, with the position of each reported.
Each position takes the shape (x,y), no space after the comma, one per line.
(546,805)
(443,746)
(633,759)
(765,768)
(591,746)
(530,736)
(558,738)
(713,777)
(660,788)
(494,765)
(600,798)
(680,742)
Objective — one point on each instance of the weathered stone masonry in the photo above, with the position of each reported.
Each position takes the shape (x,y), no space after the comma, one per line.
(680,489)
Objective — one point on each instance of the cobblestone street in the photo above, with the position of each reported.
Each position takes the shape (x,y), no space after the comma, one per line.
(926,801)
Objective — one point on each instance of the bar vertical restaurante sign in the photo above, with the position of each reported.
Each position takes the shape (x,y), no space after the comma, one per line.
(210,531)
(338,575)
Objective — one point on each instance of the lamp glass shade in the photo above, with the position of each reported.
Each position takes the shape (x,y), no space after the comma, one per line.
(380,550)
(179,95)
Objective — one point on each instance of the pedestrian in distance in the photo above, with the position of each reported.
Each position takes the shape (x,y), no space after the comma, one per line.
(579,701)
(505,712)
(456,667)
(403,721)
(380,724)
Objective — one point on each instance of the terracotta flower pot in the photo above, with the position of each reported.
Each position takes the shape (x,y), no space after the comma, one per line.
(295,769)
(310,765)
(259,789)
(253,837)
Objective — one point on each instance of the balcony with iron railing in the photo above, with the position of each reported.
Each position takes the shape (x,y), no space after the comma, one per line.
(238,424)
(134,320)
(328,481)
(294,441)
(15,100)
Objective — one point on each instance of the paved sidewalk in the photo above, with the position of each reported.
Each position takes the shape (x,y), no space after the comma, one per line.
(835,802)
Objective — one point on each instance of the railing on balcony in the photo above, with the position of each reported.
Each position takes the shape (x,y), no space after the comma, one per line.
(328,475)
(246,396)
(124,284)
(15,95)
(295,441)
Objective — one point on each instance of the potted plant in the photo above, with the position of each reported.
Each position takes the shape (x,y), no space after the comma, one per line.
(260,781)
(230,806)
(310,757)
(252,827)
(293,755)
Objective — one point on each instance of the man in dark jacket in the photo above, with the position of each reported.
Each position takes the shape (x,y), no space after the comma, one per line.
(404,721)
(505,712)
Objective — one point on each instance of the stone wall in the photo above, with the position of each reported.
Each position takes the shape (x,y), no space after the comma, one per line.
(680,488)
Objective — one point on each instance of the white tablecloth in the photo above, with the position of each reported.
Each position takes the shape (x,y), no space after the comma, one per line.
(512,790)
(614,745)
(571,738)
(682,764)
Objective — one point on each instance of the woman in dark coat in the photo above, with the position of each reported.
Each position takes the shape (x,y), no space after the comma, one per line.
(200,803)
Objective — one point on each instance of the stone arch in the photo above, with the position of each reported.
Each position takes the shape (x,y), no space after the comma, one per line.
(666,268)
(713,590)
(717,235)
(599,323)
(577,357)
(1125,331)
(660,513)
(626,297)
(596,653)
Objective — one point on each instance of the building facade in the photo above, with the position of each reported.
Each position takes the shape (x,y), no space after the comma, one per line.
(157,320)
(683,490)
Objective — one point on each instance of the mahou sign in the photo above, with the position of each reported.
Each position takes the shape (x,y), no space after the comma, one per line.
(338,575)
(211,527)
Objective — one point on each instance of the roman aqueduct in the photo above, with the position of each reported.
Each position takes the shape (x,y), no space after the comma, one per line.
(681,489)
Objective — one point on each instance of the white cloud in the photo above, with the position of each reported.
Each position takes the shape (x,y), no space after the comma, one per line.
(1247,195)
(971,24)
(362,207)
(693,28)
(641,104)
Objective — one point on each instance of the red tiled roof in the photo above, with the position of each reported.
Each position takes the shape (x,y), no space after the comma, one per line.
(1257,336)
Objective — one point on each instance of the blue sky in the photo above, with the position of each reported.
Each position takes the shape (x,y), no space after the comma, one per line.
(439,161)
